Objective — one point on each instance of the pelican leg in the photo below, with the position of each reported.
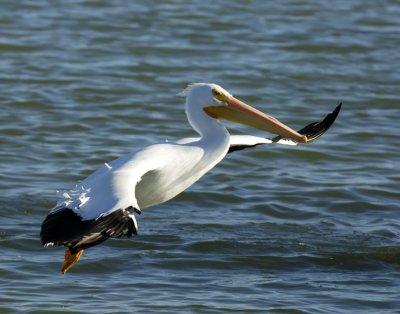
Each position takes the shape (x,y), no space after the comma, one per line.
(70,259)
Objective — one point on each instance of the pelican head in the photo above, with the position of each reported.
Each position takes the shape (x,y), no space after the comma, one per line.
(217,103)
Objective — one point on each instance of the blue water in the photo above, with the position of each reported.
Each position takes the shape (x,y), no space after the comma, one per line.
(307,229)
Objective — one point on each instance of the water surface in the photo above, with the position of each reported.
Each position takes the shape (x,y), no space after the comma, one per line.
(310,229)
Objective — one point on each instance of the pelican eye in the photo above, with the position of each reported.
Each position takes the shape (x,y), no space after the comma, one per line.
(218,94)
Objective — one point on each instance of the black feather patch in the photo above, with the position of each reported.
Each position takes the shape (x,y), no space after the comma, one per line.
(312,131)
(316,129)
(65,227)
(234,148)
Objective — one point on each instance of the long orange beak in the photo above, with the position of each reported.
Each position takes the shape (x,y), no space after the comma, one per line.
(237,111)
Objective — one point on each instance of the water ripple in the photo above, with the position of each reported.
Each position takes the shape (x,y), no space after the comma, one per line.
(308,229)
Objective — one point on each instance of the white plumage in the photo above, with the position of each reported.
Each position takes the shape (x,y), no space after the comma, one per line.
(102,205)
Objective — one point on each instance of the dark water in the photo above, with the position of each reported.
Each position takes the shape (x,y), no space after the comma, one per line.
(310,229)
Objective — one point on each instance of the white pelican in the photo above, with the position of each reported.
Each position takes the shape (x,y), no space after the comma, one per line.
(102,205)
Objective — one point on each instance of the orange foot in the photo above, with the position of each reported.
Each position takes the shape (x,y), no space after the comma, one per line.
(70,259)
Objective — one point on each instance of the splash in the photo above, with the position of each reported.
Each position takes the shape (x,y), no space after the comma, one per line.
(74,198)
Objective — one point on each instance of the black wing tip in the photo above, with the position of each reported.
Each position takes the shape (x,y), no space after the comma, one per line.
(316,129)
(235,148)
(66,228)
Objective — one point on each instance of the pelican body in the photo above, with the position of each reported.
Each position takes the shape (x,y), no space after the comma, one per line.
(103,205)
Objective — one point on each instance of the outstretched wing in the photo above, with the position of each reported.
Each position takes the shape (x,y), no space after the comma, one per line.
(100,207)
(312,131)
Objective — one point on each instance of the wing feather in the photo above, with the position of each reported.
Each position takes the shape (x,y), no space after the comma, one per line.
(312,131)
